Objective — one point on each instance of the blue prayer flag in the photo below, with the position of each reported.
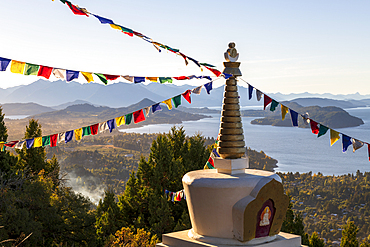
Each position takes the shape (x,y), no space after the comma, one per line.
(68,136)
(250,91)
(156,107)
(139,79)
(4,62)
(227,76)
(294,117)
(206,77)
(71,74)
(110,124)
(104,20)
(29,143)
(346,141)
(208,87)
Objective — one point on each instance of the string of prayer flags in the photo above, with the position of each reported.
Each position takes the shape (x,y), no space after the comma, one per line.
(174,196)
(266,100)
(334,136)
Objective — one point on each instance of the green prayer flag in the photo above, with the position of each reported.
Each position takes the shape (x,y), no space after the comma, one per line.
(102,78)
(273,105)
(207,64)
(45,141)
(126,30)
(165,79)
(86,131)
(128,118)
(31,69)
(176,100)
(322,130)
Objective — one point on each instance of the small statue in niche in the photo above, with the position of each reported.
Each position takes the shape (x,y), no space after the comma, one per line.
(265,217)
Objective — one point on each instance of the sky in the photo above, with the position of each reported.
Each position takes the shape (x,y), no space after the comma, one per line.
(284,46)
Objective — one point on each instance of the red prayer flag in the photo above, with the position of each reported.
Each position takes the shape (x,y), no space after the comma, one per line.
(314,127)
(45,71)
(214,71)
(181,78)
(53,140)
(94,129)
(186,96)
(75,10)
(210,160)
(139,116)
(111,77)
(267,100)
(11,143)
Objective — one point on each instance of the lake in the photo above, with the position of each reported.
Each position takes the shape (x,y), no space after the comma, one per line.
(296,149)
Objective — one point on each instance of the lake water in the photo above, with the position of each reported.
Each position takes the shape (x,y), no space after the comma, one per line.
(15,117)
(296,149)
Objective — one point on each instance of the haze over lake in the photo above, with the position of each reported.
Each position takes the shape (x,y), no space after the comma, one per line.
(296,149)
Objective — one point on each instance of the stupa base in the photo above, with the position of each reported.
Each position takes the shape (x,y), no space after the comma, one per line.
(181,238)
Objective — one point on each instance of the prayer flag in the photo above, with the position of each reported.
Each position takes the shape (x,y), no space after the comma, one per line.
(138,79)
(31,69)
(45,71)
(88,76)
(165,79)
(29,143)
(258,94)
(186,96)
(75,9)
(210,163)
(4,62)
(71,74)
(185,58)
(284,111)
(60,73)
(19,145)
(86,131)
(53,140)
(322,130)
(147,111)
(78,134)
(250,91)
(227,76)
(205,77)
(168,103)
(17,67)
(103,127)
(306,119)
(37,142)
(111,77)
(156,107)
(11,143)
(207,65)
(197,90)
(129,78)
(68,136)
(214,71)
(176,100)
(194,61)
(346,141)
(294,117)
(139,116)
(334,136)
(152,79)
(111,124)
(127,31)
(45,141)
(314,127)
(266,100)
(208,87)
(94,129)
(128,118)
(368,150)
(114,26)
(120,120)
(181,78)
(62,137)
(103,20)
(102,78)
(274,104)
(356,144)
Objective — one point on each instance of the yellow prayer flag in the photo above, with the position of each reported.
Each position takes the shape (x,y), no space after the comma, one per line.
(2,146)
(334,136)
(78,134)
(153,79)
(168,103)
(114,26)
(284,111)
(17,67)
(120,120)
(37,142)
(88,76)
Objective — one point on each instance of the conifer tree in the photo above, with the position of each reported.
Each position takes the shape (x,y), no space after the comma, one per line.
(143,204)
(349,234)
(315,241)
(7,161)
